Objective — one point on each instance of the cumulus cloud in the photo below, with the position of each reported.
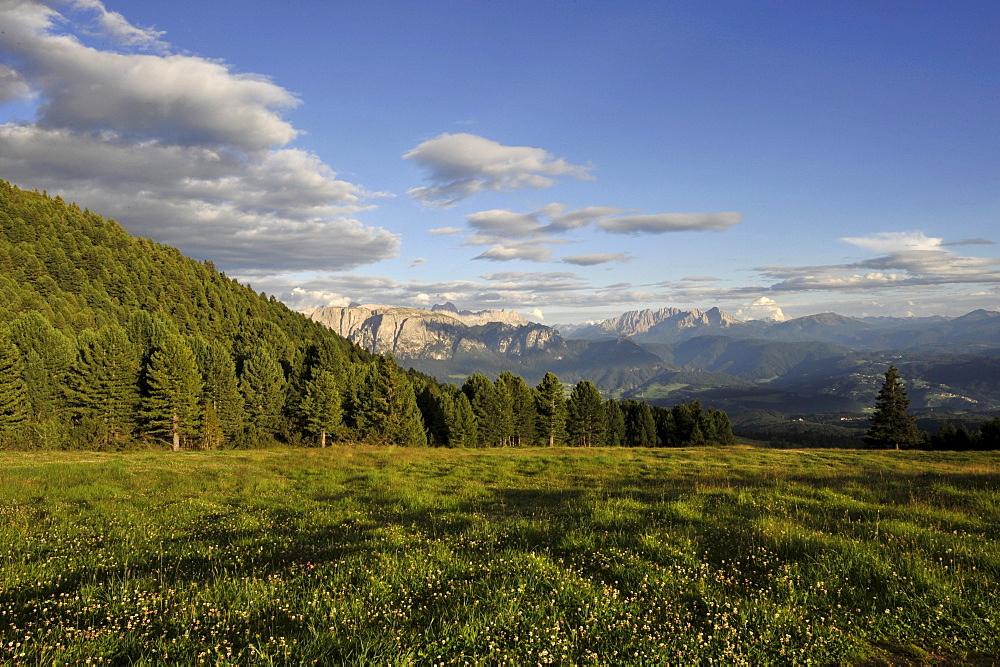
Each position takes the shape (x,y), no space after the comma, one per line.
(176,147)
(12,86)
(670,222)
(594,259)
(460,165)
(763,308)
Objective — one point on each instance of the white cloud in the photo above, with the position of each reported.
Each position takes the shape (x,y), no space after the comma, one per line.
(115,26)
(670,222)
(895,241)
(763,308)
(460,165)
(532,251)
(446,231)
(174,146)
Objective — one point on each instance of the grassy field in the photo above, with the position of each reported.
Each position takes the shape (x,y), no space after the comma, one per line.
(363,555)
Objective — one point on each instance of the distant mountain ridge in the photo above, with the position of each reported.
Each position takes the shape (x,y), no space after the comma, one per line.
(652,324)
(671,325)
(821,362)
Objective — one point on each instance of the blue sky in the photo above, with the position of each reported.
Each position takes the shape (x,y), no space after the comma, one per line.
(569,160)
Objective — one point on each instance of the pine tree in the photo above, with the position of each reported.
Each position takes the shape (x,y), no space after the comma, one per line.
(262,384)
(616,423)
(102,383)
(13,391)
(47,355)
(386,406)
(551,402)
(488,408)
(321,405)
(586,418)
(463,429)
(640,424)
(890,425)
(175,387)
(524,412)
(221,391)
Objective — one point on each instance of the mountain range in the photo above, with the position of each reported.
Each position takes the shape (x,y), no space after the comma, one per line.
(824,363)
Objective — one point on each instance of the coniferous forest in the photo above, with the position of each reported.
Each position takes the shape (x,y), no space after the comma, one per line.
(109,341)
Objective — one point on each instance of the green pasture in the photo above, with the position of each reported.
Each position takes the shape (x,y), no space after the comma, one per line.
(358,555)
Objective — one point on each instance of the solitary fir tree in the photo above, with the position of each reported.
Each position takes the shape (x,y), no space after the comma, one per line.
(890,426)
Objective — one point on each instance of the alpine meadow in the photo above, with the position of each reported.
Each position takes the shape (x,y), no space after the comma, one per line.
(499,333)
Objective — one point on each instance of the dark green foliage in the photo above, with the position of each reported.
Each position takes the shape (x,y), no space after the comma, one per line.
(386,409)
(640,425)
(519,402)
(47,355)
(172,406)
(950,437)
(449,416)
(615,436)
(102,384)
(491,412)
(13,391)
(262,384)
(890,426)
(221,393)
(586,416)
(551,402)
(321,405)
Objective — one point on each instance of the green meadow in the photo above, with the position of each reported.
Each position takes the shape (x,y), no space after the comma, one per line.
(556,556)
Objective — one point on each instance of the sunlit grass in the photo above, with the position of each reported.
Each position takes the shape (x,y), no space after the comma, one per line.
(361,554)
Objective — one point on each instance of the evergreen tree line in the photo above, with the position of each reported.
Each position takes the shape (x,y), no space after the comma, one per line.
(146,381)
(108,340)
(509,413)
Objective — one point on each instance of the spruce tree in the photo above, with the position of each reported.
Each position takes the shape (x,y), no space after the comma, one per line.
(262,384)
(321,405)
(586,418)
(386,406)
(615,436)
(890,426)
(221,391)
(47,354)
(463,429)
(172,407)
(488,408)
(524,412)
(551,402)
(640,424)
(13,392)
(102,383)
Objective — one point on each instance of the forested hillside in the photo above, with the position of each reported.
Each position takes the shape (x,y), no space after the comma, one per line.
(111,341)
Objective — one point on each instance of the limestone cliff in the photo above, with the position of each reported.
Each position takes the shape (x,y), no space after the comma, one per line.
(441,334)
(656,325)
